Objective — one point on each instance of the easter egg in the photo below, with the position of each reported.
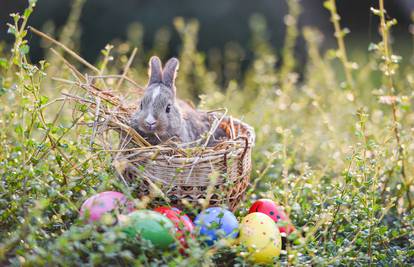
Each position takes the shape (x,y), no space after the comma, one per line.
(274,211)
(261,236)
(183,224)
(94,207)
(149,225)
(215,223)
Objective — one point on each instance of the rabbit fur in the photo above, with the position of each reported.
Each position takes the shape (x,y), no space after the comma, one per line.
(161,116)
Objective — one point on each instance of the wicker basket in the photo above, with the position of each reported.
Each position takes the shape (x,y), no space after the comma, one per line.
(198,175)
(218,175)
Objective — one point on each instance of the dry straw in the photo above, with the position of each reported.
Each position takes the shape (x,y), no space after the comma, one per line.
(182,174)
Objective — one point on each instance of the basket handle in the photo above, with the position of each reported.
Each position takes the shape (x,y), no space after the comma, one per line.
(240,167)
(246,141)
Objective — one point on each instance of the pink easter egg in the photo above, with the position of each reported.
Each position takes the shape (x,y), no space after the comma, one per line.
(104,202)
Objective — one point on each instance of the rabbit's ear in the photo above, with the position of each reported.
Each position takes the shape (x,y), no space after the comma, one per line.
(155,71)
(170,72)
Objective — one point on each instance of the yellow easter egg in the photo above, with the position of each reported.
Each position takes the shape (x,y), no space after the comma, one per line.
(259,233)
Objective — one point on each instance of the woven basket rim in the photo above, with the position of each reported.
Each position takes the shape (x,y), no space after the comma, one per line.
(168,153)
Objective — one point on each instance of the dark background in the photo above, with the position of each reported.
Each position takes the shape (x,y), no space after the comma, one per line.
(221,21)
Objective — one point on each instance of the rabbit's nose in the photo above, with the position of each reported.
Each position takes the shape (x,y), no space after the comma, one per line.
(151,126)
(150,121)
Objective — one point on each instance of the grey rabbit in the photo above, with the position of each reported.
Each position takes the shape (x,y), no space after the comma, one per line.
(161,116)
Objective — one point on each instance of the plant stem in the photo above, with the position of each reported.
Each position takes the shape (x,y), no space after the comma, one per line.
(390,85)
(339,35)
(288,57)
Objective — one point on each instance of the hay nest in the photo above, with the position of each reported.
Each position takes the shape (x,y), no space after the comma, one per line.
(182,174)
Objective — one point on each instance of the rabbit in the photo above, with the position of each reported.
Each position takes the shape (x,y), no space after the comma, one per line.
(161,116)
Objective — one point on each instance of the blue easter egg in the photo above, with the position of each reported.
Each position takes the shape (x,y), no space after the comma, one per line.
(215,223)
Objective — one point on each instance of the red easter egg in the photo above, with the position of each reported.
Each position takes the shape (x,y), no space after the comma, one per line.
(182,222)
(274,211)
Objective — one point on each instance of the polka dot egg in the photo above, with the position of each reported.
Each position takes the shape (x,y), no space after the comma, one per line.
(275,212)
(260,235)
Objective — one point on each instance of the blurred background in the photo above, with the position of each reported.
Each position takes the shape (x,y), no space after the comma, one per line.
(220,22)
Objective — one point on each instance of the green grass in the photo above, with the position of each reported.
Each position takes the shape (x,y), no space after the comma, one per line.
(334,147)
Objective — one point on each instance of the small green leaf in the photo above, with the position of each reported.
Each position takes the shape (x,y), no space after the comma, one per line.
(24,49)
(19,129)
(11,30)
(83,108)
(43,100)
(3,63)
(327,5)
(27,12)
(2,90)
(375,11)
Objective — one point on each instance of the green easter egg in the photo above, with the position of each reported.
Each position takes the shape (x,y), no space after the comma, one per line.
(151,226)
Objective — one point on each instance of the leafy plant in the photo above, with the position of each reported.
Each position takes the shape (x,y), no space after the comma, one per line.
(336,155)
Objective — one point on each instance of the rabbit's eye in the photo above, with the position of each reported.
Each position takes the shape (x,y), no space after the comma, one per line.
(168,109)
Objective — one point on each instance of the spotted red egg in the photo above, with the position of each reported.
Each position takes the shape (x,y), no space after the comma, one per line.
(274,211)
(183,224)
